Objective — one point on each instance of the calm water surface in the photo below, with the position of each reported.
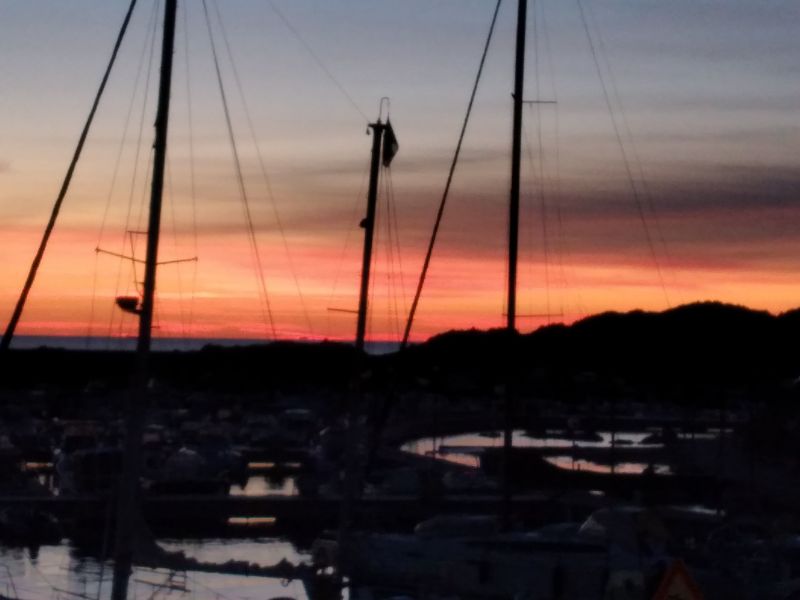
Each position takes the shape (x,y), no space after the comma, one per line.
(59,572)
(431,446)
(259,485)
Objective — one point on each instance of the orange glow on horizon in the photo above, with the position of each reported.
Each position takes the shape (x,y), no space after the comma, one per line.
(463,291)
(704,173)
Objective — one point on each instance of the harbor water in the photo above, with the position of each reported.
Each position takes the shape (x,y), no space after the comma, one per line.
(62,572)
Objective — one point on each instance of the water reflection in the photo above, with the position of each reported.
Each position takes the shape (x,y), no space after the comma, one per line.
(465,448)
(633,468)
(60,572)
(259,485)
(521,438)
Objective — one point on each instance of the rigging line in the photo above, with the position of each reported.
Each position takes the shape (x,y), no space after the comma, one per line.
(142,208)
(217,594)
(565,260)
(153,29)
(167,584)
(127,238)
(382,221)
(89,325)
(192,178)
(540,163)
(399,308)
(130,239)
(504,295)
(390,255)
(353,214)
(148,42)
(12,324)
(626,162)
(399,246)
(117,163)
(264,300)
(239,176)
(629,133)
(543,217)
(440,212)
(176,248)
(318,60)
(527,207)
(373,269)
(264,173)
(527,193)
(542,195)
(557,146)
(391,308)
(398,253)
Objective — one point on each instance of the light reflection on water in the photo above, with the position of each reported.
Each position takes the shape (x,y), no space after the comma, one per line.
(259,485)
(522,439)
(57,572)
(434,446)
(634,468)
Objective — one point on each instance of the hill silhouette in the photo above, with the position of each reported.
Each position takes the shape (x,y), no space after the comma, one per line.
(692,350)
(709,337)
(696,347)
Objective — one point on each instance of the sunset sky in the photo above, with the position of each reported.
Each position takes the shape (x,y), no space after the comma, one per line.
(705,96)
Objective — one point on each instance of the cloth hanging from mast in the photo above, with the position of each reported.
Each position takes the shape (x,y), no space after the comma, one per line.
(390,145)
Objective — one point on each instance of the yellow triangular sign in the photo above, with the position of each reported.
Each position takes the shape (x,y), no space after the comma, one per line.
(677,584)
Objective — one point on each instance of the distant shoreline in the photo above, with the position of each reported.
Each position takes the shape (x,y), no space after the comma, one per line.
(164,344)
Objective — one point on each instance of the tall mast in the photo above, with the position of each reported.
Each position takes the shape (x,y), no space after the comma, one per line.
(369,230)
(127,512)
(351,482)
(513,243)
(384,148)
(516,153)
(159,161)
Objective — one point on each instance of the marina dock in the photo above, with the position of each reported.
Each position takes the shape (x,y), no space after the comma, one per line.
(297,510)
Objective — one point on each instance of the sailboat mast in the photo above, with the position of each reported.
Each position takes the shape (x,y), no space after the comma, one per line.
(350,479)
(513,243)
(156,192)
(127,512)
(369,230)
(516,154)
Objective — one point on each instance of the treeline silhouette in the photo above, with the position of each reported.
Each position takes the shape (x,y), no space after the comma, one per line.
(682,350)
(694,353)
